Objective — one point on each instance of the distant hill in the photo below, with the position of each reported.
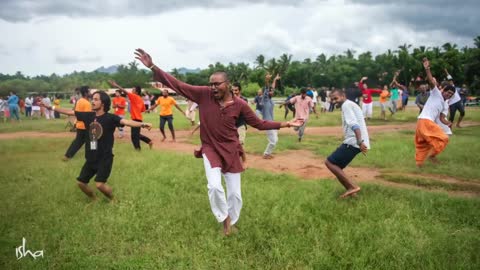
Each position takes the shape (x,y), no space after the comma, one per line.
(184,71)
(113,69)
(109,70)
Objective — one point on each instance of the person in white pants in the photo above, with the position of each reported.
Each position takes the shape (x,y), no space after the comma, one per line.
(221,150)
(49,114)
(367,104)
(222,208)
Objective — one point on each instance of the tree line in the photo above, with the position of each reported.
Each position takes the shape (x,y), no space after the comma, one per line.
(340,70)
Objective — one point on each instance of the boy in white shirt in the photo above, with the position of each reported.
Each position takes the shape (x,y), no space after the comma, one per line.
(356,140)
(430,138)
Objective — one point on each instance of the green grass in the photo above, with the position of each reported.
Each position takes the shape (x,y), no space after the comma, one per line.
(181,123)
(163,219)
(430,183)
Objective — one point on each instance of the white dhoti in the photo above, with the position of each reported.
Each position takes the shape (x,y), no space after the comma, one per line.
(221,206)
(367,109)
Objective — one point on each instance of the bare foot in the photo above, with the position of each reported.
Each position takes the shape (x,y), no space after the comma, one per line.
(350,192)
(226,226)
(150,144)
(434,160)
(458,126)
(92,202)
(234,229)
(173,140)
(163,139)
(65,158)
(266,156)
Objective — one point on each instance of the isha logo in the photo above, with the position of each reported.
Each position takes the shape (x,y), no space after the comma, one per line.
(21,251)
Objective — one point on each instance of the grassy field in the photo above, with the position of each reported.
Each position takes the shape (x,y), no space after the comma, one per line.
(162,219)
(180,121)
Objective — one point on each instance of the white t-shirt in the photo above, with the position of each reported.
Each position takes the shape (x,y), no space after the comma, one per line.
(434,106)
(47,101)
(315,96)
(28,102)
(455,98)
(146,100)
(445,128)
(352,116)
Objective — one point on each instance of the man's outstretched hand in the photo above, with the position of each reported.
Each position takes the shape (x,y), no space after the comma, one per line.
(426,63)
(143,57)
(147,126)
(113,83)
(297,123)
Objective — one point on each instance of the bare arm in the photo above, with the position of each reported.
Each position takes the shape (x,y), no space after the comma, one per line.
(274,84)
(180,109)
(403,87)
(131,123)
(443,119)
(394,80)
(252,120)
(152,107)
(114,84)
(431,81)
(59,110)
(360,84)
(358,136)
(192,92)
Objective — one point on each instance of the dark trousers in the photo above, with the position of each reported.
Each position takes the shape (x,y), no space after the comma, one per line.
(80,139)
(28,111)
(136,136)
(169,120)
(457,106)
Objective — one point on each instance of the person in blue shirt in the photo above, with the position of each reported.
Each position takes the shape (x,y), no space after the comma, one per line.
(13,106)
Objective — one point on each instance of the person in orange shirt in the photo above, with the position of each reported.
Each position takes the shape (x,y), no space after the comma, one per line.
(119,103)
(137,107)
(384,95)
(82,105)
(166,114)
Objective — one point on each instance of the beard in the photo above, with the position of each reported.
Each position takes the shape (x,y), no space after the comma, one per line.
(216,94)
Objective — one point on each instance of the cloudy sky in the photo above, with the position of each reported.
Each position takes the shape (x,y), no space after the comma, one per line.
(60,36)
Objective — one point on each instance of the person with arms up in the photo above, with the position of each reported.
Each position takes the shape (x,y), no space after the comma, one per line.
(455,103)
(137,107)
(367,104)
(221,150)
(303,105)
(119,104)
(82,105)
(383,102)
(166,103)
(430,138)
(100,126)
(267,114)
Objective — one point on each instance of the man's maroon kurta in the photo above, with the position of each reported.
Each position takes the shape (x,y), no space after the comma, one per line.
(218,132)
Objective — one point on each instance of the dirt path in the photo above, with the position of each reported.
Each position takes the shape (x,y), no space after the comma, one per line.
(301,163)
(337,130)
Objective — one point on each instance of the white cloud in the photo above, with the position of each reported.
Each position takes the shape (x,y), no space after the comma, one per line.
(201,35)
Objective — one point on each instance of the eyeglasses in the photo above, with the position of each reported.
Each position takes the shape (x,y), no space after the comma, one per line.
(215,84)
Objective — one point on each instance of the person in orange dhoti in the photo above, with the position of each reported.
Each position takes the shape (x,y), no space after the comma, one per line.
(430,139)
